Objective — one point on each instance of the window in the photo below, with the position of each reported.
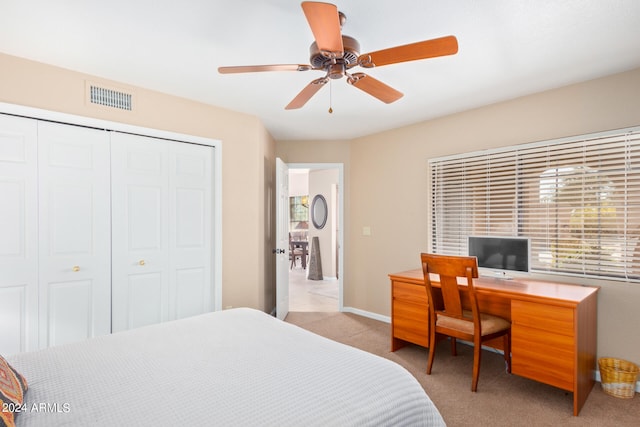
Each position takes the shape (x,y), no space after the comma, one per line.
(299,213)
(577,199)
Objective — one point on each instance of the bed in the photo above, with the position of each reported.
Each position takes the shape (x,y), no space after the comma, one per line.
(233,367)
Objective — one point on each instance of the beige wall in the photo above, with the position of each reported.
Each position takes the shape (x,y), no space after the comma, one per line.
(386,178)
(247,155)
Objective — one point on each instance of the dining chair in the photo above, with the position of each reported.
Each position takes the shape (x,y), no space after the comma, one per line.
(449,314)
(294,252)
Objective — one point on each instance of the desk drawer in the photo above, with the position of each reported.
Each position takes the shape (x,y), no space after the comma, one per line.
(543,356)
(411,323)
(558,320)
(410,293)
(412,312)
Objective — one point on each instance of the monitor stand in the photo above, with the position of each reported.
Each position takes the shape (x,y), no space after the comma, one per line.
(502,275)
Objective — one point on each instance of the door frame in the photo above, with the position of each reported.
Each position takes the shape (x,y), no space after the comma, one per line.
(47,115)
(341,191)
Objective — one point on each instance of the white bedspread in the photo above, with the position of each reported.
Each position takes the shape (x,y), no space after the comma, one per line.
(238,367)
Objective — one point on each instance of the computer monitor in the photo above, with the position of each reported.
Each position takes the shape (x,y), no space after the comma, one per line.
(501,253)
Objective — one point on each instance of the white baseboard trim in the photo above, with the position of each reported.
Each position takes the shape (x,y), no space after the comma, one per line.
(368,314)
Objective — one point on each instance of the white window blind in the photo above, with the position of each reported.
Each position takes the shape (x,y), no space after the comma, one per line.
(577,199)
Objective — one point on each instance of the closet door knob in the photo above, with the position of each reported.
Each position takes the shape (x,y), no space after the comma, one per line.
(141,262)
(76,268)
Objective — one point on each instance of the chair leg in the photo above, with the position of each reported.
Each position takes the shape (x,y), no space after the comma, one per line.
(454,347)
(432,350)
(477,352)
(507,351)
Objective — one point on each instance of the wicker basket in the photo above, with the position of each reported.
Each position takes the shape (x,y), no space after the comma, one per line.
(618,377)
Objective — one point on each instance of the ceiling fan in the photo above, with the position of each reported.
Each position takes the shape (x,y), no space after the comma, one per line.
(336,54)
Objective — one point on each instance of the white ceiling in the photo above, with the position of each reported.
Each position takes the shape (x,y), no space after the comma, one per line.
(507,48)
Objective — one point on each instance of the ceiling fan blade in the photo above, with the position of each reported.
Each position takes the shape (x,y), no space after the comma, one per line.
(410,52)
(374,87)
(324,21)
(257,68)
(306,93)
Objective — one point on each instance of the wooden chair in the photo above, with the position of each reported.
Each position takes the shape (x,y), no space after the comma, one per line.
(447,317)
(294,252)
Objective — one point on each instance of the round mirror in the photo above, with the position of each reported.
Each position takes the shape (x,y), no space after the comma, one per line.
(319,211)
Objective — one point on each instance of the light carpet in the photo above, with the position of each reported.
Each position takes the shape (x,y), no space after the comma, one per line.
(502,399)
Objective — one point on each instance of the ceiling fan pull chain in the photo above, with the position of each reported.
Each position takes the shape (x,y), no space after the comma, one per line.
(330,97)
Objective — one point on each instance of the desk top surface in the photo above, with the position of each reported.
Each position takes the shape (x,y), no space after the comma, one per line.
(519,288)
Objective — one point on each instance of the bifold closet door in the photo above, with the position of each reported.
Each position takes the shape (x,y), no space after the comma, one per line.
(190,230)
(18,235)
(162,230)
(74,233)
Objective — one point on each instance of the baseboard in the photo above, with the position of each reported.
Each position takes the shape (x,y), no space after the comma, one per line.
(368,314)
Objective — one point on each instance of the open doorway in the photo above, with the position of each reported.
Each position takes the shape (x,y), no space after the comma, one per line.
(315,282)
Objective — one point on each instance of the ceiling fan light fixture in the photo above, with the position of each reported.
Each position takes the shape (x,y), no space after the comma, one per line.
(336,71)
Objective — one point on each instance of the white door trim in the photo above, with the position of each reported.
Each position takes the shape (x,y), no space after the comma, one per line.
(37,113)
(282,251)
(341,191)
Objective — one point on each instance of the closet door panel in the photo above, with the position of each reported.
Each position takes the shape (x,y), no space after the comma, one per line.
(191,239)
(70,311)
(145,296)
(146,218)
(74,233)
(71,234)
(15,320)
(140,232)
(19,237)
(191,292)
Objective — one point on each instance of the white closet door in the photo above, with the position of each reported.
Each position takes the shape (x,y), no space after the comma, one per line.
(191,230)
(162,202)
(18,235)
(74,233)
(140,232)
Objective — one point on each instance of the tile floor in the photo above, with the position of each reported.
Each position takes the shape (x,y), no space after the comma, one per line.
(311,295)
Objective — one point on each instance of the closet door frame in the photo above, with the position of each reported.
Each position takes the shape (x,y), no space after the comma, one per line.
(40,114)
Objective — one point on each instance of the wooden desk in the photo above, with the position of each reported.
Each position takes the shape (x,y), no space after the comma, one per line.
(553,326)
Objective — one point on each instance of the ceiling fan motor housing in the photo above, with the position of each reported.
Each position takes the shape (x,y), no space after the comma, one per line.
(335,63)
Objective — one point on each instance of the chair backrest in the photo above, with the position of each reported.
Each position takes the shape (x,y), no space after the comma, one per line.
(449,268)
